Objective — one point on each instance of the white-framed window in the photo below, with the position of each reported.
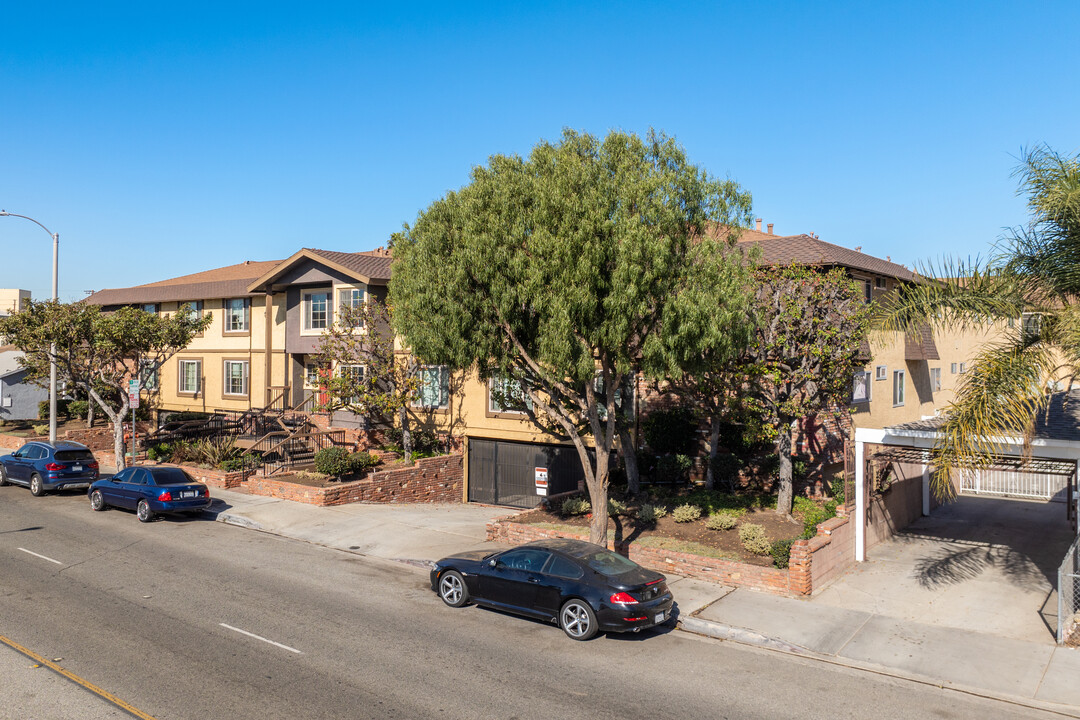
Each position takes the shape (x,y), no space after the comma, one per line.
(311,374)
(194,309)
(355,375)
(935,379)
(898,387)
(860,390)
(236,377)
(506,396)
(881,372)
(354,299)
(236,315)
(953,367)
(963,368)
(148,375)
(190,372)
(434,391)
(316,308)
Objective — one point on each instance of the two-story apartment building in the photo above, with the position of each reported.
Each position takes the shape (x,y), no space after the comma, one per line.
(269,316)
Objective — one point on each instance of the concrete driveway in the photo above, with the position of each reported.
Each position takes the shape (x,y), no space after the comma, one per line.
(983,564)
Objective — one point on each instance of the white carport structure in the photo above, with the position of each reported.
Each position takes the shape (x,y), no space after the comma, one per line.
(1054,451)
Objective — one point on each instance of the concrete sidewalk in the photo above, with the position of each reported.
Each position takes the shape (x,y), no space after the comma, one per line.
(1035,674)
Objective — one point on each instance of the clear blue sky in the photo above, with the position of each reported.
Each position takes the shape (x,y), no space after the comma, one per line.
(164,139)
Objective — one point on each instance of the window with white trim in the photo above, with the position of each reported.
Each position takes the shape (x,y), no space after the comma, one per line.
(881,372)
(953,368)
(505,395)
(316,306)
(860,391)
(935,379)
(190,372)
(236,316)
(434,390)
(148,375)
(898,388)
(236,377)
(194,309)
(355,376)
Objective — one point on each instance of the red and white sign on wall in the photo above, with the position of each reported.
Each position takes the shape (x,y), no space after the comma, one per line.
(541,481)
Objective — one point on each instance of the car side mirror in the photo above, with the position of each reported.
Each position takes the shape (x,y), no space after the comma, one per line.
(493,562)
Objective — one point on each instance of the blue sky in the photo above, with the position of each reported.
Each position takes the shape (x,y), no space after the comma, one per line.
(164,139)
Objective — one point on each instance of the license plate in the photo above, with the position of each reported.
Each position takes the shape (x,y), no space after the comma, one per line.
(188,494)
(660,618)
(76,468)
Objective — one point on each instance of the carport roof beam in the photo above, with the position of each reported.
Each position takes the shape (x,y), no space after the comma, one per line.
(999,462)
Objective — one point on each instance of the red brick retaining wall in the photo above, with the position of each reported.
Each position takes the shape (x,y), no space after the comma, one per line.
(812,561)
(429,480)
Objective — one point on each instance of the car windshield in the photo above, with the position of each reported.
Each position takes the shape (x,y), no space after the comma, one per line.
(74,455)
(606,562)
(170,476)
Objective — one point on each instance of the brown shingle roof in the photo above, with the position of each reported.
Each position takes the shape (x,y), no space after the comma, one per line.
(808,250)
(371,264)
(230,281)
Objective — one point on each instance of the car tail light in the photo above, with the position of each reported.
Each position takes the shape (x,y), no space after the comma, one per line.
(637,619)
(92,465)
(165,496)
(654,582)
(621,598)
(54,467)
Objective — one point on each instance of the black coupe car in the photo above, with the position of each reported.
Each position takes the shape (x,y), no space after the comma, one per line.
(582,587)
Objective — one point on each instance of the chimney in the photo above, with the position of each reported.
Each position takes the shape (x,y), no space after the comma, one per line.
(759,224)
(858,248)
(770,228)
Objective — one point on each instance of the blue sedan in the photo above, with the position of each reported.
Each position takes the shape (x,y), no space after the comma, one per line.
(150,491)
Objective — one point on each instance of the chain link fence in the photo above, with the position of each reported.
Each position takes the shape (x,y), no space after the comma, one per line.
(1069,597)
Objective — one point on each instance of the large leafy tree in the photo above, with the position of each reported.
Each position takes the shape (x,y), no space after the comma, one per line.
(369,375)
(1032,276)
(570,271)
(96,350)
(806,348)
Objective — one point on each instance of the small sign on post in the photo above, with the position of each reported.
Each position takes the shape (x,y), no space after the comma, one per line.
(541,481)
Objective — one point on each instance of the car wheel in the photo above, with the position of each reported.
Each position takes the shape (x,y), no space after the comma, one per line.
(452,589)
(3,476)
(577,620)
(144,512)
(36,488)
(97,500)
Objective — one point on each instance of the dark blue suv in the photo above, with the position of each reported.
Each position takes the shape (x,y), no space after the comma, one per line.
(43,466)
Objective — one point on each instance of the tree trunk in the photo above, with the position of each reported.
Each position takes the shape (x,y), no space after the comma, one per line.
(117,419)
(714,440)
(598,495)
(629,456)
(90,413)
(783,451)
(406,436)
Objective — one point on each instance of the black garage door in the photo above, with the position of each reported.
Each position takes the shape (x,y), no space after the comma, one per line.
(504,473)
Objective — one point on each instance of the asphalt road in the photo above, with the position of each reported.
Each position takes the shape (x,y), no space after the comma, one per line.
(195,619)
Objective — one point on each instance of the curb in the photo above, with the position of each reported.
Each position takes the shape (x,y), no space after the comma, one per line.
(742,636)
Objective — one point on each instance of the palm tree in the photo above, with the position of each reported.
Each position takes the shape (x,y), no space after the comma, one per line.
(1033,274)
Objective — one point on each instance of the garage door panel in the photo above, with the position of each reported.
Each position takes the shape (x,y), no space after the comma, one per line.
(504,473)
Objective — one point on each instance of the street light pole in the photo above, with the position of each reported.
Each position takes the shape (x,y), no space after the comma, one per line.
(55,297)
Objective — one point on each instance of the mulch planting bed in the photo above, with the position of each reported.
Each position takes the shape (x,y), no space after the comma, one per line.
(724,543)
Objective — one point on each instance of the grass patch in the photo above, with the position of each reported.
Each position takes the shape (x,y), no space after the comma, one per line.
(685,546)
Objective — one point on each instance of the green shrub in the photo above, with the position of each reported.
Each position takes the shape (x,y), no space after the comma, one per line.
(160,452)
(723,520)
(232,464)
(781,553)
(576,506)
(214,451)
(361,461)
(615,508)
(63,409)
(41,429)
(185,416)
(651,513)
(672,468)
(672,431)
(754,539)
(332,461)
(813,514)
(837,487)
(78,408)
(423,441)
(726,467)
(686,513)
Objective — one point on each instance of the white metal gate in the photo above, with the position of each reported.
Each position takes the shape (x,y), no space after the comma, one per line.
(1012,483)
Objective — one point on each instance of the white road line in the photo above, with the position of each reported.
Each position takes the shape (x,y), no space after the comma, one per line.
(41,556)
(275,644)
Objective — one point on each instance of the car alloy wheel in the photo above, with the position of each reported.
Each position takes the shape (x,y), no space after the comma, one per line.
(3,476)
(36,488)
(97,501)
(577,620)
(452,589)
(144,512)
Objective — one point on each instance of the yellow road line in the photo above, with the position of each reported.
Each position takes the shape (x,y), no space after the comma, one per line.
(104,694)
